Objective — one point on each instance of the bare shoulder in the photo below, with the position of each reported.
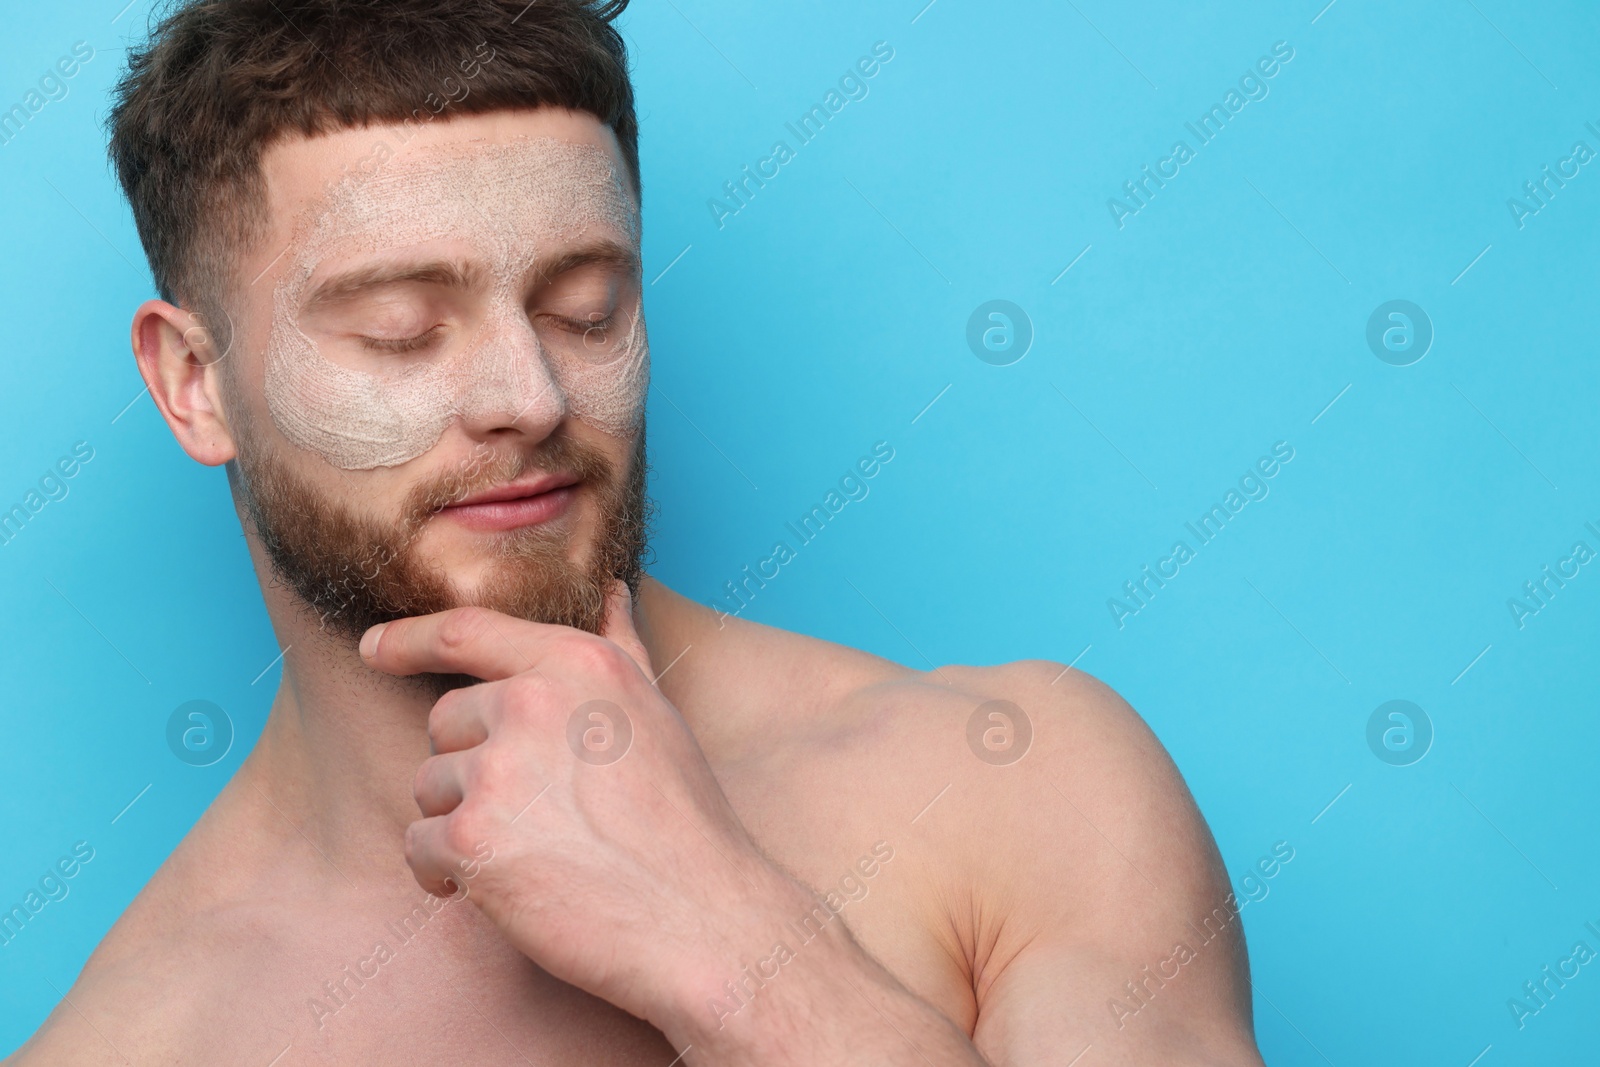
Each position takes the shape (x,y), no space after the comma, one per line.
(144,996)
(1007,736)
(1048,850)
(998,741)
(1051,773)
(153,989)
(1073,784)
(1095,905)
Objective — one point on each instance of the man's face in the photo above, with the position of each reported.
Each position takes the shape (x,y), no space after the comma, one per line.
(440,315)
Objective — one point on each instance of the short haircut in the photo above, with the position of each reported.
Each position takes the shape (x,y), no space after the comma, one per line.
(221,80)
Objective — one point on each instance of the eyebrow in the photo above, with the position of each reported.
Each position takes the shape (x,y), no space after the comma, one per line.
(464,275)
(603,253)
(349,283)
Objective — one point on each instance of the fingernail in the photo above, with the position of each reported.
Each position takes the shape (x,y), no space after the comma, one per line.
(369,640)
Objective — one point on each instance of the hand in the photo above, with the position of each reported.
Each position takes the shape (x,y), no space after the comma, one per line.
(617,863)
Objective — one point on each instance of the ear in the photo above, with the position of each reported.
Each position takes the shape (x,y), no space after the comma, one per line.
(179,362)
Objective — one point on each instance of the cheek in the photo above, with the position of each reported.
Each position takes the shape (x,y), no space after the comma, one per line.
(611,395)
(355,421)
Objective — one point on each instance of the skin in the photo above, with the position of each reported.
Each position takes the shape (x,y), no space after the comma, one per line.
(764,766)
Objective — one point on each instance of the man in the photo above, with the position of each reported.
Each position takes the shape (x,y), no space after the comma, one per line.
(397,243)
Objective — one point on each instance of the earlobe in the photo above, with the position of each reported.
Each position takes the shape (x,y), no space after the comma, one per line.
(179,363)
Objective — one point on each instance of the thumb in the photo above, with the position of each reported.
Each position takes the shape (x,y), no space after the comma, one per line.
(618,627)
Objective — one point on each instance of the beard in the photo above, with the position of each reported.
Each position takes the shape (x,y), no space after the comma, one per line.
(354,571)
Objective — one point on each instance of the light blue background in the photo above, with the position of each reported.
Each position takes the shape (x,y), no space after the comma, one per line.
(826,315)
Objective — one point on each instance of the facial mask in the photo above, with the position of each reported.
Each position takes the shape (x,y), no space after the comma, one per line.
(499,207)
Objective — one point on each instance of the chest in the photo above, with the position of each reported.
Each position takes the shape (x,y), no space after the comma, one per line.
(405,989)
(397,986)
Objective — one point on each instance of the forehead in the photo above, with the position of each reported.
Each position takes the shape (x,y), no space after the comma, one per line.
(501,176)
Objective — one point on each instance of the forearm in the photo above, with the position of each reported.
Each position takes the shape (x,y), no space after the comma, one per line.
(807,993)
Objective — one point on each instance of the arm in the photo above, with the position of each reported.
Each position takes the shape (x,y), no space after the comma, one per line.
(807,993)
(1119,933)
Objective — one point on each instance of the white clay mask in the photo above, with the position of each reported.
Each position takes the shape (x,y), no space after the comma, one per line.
(468,320)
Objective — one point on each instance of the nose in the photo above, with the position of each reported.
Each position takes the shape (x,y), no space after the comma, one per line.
(507,381)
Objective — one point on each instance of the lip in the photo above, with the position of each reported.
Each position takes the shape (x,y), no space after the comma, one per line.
(517,490)
(522,503)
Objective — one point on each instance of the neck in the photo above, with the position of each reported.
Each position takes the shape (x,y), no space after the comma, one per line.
(343,742)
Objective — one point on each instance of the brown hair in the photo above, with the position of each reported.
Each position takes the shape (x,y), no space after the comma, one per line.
(220,80)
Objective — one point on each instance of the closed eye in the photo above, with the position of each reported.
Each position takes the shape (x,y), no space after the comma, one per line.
(583,326)
(401,344)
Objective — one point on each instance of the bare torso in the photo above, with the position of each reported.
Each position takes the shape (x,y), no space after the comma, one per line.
(255,945)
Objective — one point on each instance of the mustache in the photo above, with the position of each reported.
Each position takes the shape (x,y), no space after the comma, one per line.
(487,468)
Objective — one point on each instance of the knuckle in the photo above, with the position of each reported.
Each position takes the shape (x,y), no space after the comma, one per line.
(595,656)
(462,627)
(524,692)
(462,829)
(492,765)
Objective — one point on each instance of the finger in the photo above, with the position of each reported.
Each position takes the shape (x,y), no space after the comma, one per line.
(619,629)
(457,720)
(429,857)
(485,644)
(438,785)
